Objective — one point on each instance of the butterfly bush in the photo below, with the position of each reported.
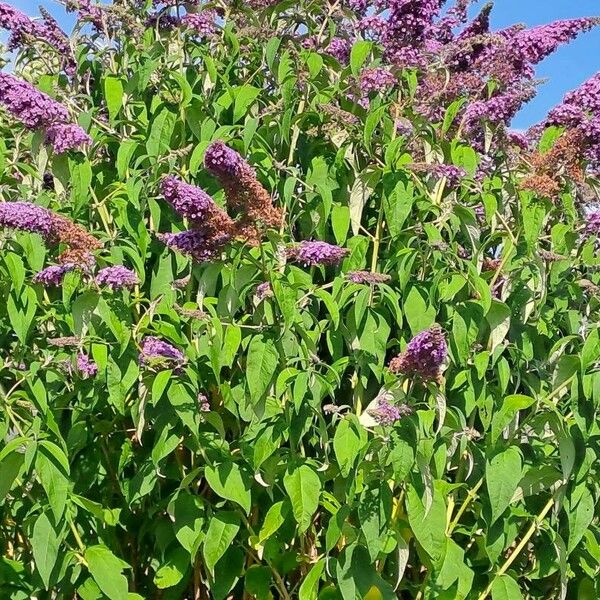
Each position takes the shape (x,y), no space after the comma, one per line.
(289,309)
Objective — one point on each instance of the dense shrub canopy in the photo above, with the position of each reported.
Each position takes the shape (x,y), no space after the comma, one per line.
(287,310)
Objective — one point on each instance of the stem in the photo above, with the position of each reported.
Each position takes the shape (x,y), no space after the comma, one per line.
(80,544)
(470,497)
(515,553)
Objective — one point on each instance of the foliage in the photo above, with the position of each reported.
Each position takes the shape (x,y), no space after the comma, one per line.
(279,418)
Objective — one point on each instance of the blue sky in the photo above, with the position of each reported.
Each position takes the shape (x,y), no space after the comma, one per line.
(565,70)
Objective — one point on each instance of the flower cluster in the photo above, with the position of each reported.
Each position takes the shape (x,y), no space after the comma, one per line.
(424,355)
(202,24)
(66,136)
(53,275)
(26,216)
(263,290)
(339,48)
(117,277)
(37,110)
(452,173)
(86,366)
(312,254)
(376,80)
(156,352)
(592,222)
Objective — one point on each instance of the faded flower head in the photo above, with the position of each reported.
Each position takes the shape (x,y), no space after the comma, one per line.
(117,277)
(311,253)
(367,277)
(154,351)
(244,193)
(263,290)
(424,355)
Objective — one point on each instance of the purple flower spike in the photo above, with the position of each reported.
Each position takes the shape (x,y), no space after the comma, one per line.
(189,201)
(154,351)
(66,137)
(27,104)
(224,162)
(424,355)
(26,216)
(53,275)
(311,254)
(117,277)
(86,366)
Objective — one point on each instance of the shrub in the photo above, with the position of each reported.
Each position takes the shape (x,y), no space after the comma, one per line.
(289,311)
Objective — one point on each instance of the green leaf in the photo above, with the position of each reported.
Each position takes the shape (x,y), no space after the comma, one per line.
(124,154)
(161,131)
(310,586)
(349,439)
(429,527)
(418,313)
(45,544)
(188,519)
(10,467)
(244,95)
(261,365)
(257,582)
(54,476)
(358,55)
(230,482)
(303,486)
(174,569)
(580,512)
(502,476)
(113,92)
(222,530)
(506,588)
(107,571)
(510,407)
(498,318)
(274,519)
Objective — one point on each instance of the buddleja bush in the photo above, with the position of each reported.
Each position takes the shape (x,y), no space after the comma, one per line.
(289,312)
